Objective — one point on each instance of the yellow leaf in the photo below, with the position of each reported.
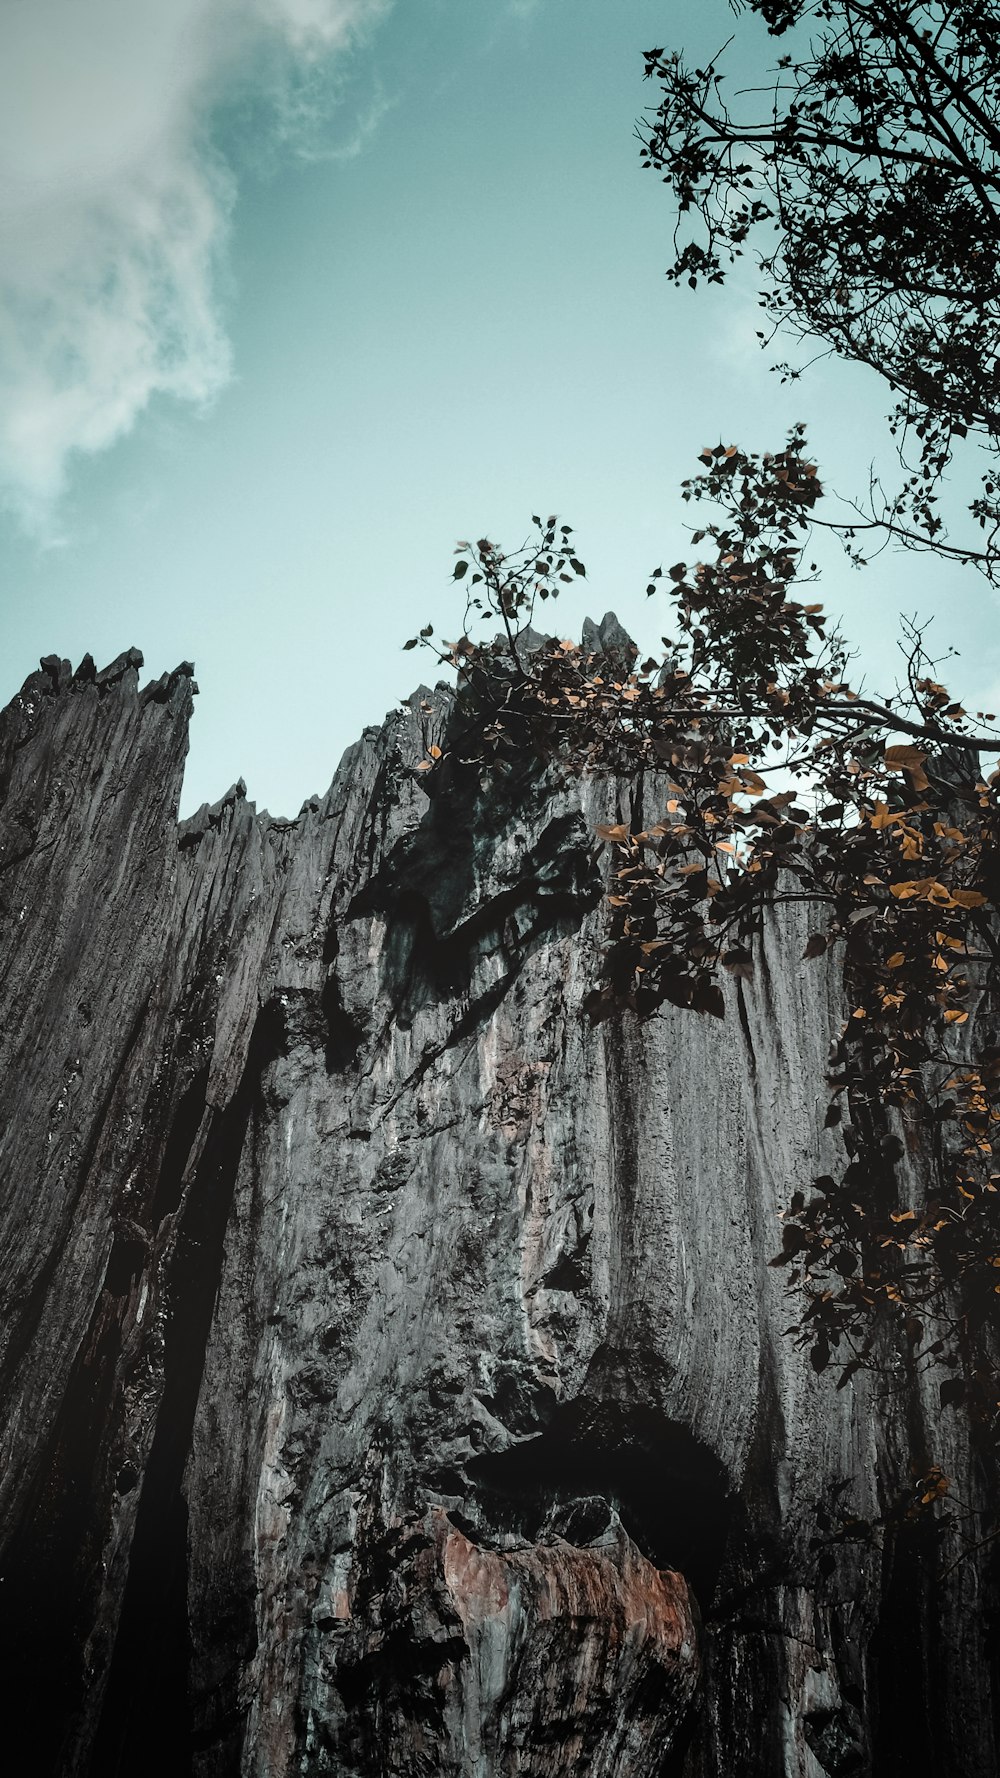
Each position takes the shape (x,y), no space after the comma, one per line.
(905,757)
(897,958)
(954,1017)
(435,752)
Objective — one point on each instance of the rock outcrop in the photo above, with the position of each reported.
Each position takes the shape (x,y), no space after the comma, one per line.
(393,1378)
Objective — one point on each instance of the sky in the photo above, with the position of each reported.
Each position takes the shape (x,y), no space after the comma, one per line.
(294,294)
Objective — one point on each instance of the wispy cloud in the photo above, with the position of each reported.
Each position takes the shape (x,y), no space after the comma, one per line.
(115,206)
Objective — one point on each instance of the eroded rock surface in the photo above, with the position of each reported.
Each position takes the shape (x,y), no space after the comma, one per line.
(544,1659)
(393,1379)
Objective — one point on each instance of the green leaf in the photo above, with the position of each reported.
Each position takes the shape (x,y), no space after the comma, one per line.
(461,568)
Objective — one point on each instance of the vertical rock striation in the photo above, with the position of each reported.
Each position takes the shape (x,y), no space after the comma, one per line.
(393,1379)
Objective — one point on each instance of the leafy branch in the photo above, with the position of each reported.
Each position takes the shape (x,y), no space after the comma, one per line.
(770,780)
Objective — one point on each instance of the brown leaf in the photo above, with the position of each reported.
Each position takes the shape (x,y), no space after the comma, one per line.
(906,757)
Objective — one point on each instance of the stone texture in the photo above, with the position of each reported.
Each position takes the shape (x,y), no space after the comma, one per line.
(393,1380)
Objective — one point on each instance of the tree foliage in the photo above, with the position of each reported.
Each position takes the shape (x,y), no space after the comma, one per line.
(867,173)
(767,779)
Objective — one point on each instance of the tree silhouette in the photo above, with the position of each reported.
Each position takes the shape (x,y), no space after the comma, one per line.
(867,174)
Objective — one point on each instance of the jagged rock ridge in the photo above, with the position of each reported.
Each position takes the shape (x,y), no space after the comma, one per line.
(393,1378)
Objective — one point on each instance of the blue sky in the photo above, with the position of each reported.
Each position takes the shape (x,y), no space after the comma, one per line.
(295,293)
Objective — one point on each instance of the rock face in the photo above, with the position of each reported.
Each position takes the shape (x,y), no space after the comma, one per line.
(393,1380)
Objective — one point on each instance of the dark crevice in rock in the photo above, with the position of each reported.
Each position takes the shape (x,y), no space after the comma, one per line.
(419,968)
(909,1686)
(148,1678)
(744,1018)
(184,1128)
(128,1257)
(344,1036)
(51,1576)
(666,1486)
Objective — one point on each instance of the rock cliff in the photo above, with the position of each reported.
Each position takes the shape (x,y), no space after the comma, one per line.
(392,1377)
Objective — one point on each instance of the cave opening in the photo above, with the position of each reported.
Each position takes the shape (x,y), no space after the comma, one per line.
(668,1489)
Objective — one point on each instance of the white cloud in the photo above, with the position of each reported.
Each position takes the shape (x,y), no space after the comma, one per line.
(114,208)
